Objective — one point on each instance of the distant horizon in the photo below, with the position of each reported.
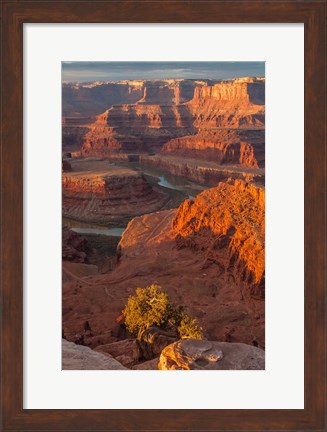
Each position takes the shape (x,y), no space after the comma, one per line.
(85,72)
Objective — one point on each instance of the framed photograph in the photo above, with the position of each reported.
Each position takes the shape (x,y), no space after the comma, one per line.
(163,217)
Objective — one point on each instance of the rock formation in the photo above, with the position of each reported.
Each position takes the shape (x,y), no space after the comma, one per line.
(224,146)
(153,340)
(208,255)
(238,103)
(191,354)
(126,351)
(86,100)
(75,247)
(232,216)
(83,100)
(202,171)
(98,192)
(78,357)
(143,116)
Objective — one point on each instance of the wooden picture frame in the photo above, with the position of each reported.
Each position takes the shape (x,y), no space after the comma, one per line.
(14,15)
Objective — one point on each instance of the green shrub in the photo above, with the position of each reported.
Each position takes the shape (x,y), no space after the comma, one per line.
(150,306)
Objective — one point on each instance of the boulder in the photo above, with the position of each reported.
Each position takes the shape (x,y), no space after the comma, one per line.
(192,354)
(79,357)
(147,365)
(153,340)
(127,351)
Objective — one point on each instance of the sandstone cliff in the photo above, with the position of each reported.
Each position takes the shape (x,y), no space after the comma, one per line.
(202,171)
(225,147)
(229,218)
(236,103)
(181,108)
(136,128)
(85,100)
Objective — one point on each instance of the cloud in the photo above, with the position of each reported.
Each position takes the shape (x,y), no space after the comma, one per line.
(116,71)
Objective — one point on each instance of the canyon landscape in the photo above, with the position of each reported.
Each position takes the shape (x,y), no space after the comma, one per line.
(163,216)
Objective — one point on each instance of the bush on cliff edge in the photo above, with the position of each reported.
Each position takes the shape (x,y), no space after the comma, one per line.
(150,306)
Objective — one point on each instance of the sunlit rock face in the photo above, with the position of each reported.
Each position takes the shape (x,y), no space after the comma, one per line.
(232,216)
(191,354)
(236,103)
(145,115)
(225,147)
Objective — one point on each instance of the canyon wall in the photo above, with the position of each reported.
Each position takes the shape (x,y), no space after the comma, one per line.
(82,100)
(148,116)
(95,191)
(136,128)
(225,147)
(229,218)
(205,173)
(88,100)
(236,103)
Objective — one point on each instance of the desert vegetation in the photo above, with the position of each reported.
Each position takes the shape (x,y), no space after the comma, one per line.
(150,306)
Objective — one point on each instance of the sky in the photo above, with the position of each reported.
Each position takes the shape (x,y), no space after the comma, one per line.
(116,71)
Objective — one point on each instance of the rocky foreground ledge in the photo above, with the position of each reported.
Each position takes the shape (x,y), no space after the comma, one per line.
(187,354)
(79,357)
(191,354)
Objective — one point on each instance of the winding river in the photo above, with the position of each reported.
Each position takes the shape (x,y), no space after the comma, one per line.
(164,180)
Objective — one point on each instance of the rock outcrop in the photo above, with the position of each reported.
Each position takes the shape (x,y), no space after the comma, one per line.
(232,217)
(191,354)
(238,103)
(147,365)
(83,100)
(98,192)
(153,340)
(136,128)
(78,357)
(225,147)
(75,247)
(127,351)
(208,255)
(171,109)
(203,171)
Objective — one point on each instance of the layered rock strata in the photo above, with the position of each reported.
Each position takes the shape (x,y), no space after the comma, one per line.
(238,103)
(224,147)
(175,108)
(202,171)
(99,192)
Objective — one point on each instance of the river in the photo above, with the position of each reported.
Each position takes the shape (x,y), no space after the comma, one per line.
(169,181)
(157,176)
(89,228)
